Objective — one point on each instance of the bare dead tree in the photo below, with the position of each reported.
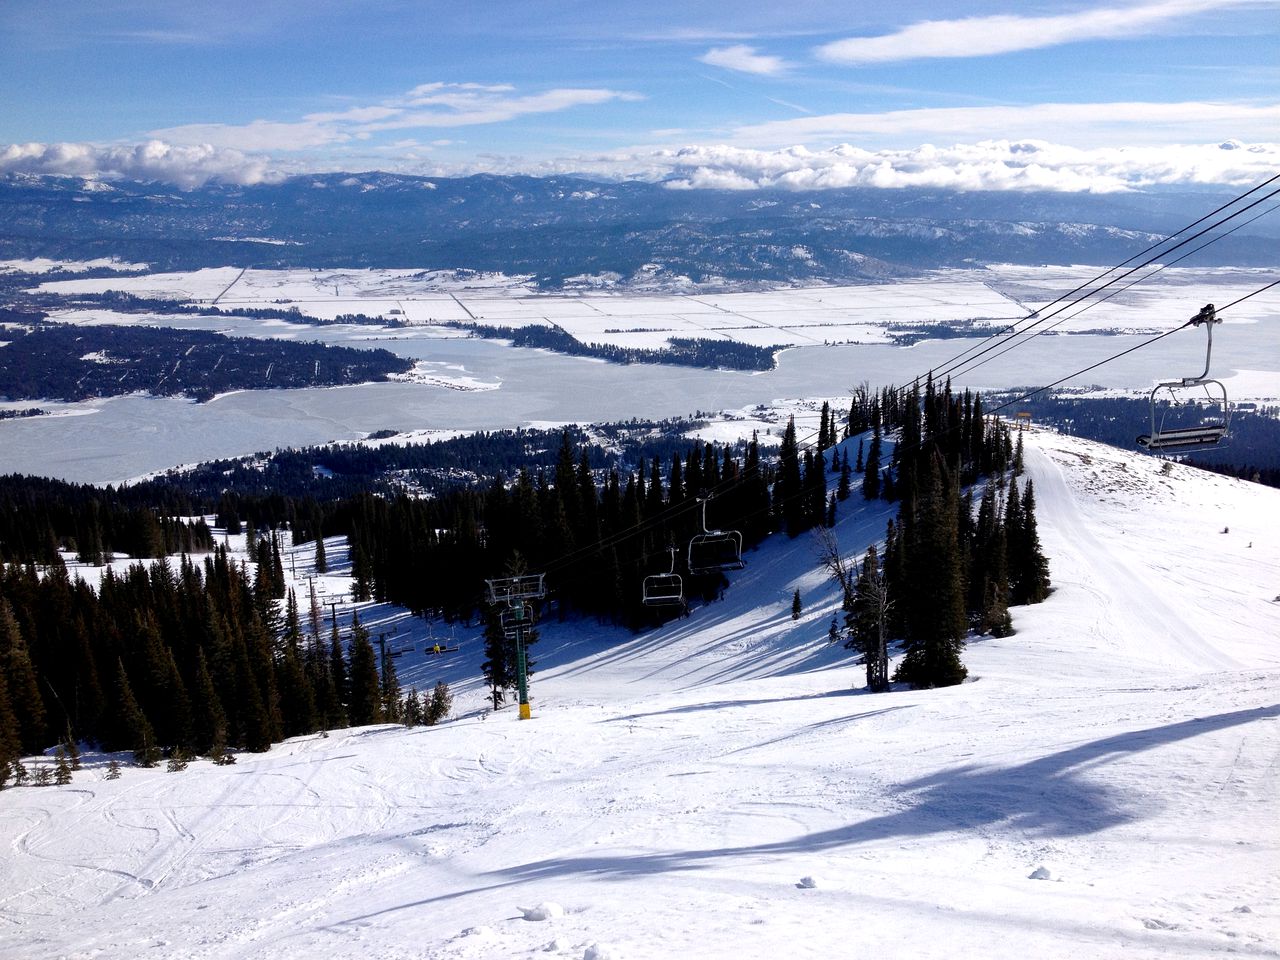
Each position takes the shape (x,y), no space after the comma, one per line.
(866,600)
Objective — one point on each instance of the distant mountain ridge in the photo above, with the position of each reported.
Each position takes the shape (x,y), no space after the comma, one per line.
(557,228)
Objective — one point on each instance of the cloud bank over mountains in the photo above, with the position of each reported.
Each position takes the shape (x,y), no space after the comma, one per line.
(987,165)
(182,166)
(997,164)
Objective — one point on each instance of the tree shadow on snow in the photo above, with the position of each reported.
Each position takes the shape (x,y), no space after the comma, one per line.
(1047,797)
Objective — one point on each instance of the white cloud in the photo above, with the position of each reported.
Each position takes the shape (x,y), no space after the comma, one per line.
(462,108)
(429,105)
(987,165)
(260,135)
(993,164)
(1086,124)
(996,164)
(186,166)
(983,36)
(744,59)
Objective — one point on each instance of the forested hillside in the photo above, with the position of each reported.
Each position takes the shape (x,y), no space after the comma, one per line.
(55,361)
(203,655)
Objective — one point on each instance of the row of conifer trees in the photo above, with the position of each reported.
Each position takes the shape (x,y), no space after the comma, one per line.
(944,570)
(193,661)
(208,656)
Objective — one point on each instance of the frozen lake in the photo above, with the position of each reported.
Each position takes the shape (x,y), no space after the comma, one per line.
(488,385)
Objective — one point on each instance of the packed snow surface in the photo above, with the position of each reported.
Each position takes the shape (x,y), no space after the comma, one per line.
(1105,785)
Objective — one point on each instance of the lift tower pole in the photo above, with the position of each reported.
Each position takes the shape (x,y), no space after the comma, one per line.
(517,620)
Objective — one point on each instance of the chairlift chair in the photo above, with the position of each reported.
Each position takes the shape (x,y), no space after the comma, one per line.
(715,551)
(662,589)
(521,614)
(1203,393)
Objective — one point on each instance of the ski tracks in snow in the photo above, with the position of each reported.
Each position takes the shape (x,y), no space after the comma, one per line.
(1135,616)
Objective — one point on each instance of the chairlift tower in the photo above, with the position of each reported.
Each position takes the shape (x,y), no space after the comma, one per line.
(516,620)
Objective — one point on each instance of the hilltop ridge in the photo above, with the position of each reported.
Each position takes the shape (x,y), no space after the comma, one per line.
(722,787)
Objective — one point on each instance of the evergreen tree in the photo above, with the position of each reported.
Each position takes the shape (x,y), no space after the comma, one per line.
(1017,457)
(844,485)
(62,768)
(365,705)
(322,563)
(390,691)
(989,578)
(339,677)
(788,491)
(10,749)
(24,690)
(871,468)
(277,566)
(867,621)
(1031,569)
(178,729)
(209,721)
(796,606)
(815,492)
(936,609)
(1014,521)
(297,699)
(133,731)
(497,660)
(858,464)
(439,706)
(361,572)
(113,770)
(411,714)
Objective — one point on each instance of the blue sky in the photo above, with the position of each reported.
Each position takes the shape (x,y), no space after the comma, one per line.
(710,94)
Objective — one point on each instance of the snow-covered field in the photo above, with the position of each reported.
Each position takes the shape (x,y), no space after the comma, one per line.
(1105,786)
(45,265)
(804,316)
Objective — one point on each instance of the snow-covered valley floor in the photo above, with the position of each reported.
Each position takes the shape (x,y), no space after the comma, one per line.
(718,789)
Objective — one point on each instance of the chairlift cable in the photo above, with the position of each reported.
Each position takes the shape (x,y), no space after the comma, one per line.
(670,512)
(1142,253)
(1273,283)
(952,365)
(1122,353)
(1090,306)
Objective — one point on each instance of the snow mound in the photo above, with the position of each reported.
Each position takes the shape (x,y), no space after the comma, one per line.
(1040,873)
(543,911)
(807,883)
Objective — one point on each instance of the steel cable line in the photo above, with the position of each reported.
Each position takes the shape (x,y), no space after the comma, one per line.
(967,368)
(898,448)
(1137,346)
(1141,253)
(670,512)
(952,365)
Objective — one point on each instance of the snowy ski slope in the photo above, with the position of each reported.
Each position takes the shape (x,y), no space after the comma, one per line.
(1105,786)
